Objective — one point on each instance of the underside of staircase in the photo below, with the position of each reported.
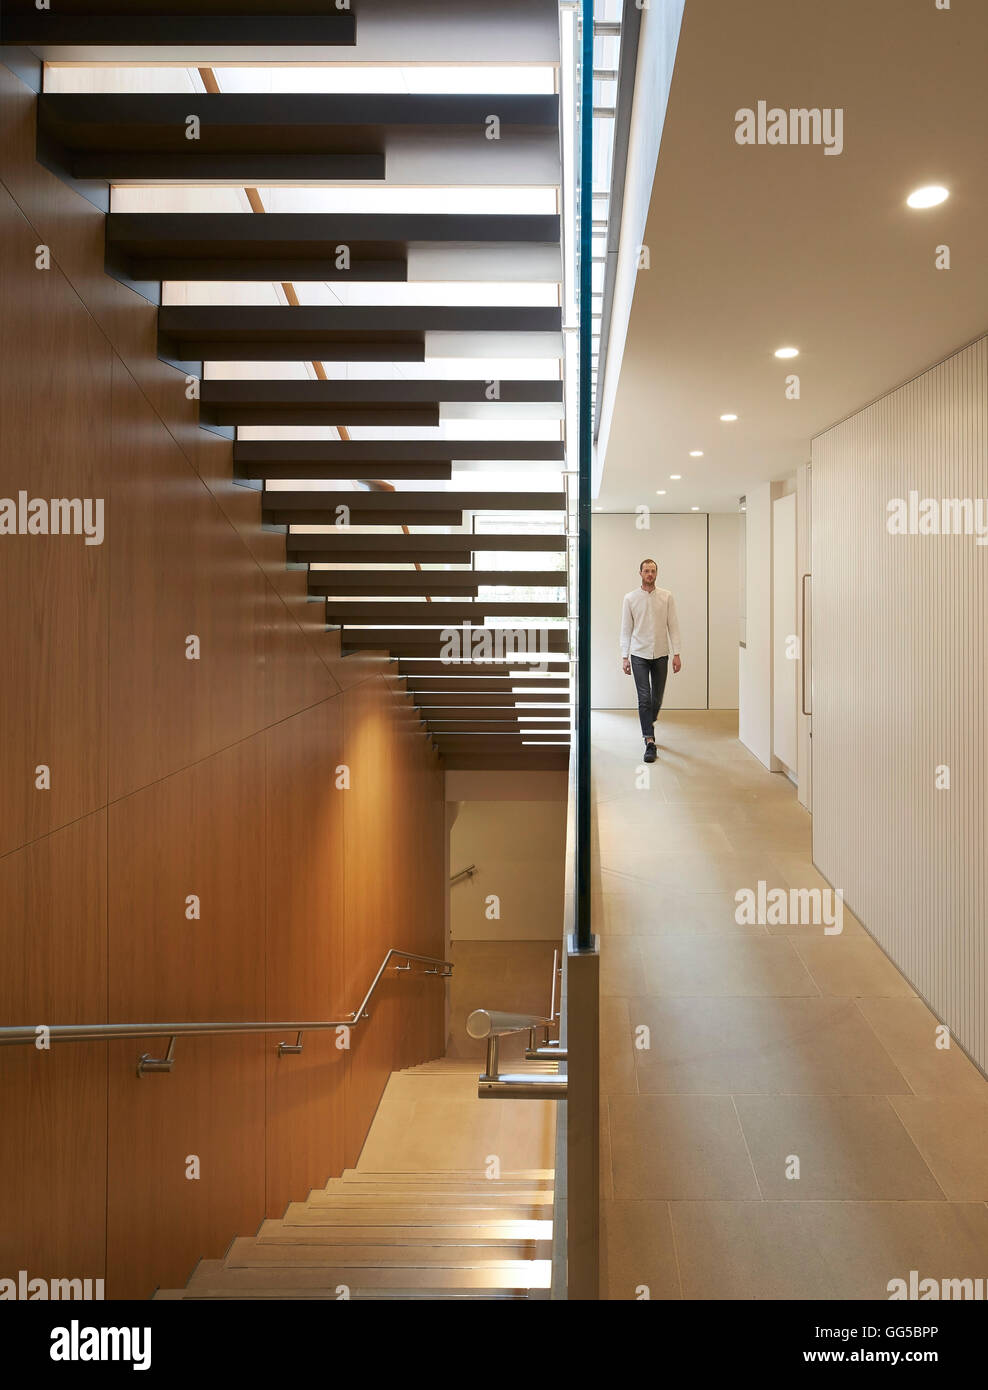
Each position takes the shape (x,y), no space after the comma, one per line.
(406,1223)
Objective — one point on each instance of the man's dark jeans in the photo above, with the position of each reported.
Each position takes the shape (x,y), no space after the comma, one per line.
(650,682)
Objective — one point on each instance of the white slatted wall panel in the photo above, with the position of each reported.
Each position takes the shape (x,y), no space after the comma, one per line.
(899,686)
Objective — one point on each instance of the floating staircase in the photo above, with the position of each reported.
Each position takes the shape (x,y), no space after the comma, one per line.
(343,224)
(419,1233)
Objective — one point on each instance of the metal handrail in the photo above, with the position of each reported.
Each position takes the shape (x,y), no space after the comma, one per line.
(464,873)
(494,1025)
(490,1023)
(111,1032)
(557,970)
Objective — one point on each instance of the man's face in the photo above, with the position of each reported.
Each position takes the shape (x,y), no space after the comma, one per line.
(648,576)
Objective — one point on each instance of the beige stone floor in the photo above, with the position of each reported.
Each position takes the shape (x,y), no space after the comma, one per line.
(766,1043)
(430,1120)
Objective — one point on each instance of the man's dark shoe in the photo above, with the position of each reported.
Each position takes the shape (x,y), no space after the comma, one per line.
(650,752)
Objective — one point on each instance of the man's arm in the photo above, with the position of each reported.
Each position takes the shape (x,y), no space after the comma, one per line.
(627,626)
(672,626)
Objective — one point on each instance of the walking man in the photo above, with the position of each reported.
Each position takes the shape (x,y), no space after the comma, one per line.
(649,631)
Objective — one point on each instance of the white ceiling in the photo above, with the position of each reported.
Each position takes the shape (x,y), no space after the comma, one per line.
(756,247)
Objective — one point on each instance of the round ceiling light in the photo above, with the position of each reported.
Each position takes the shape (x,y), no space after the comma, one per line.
(929,196)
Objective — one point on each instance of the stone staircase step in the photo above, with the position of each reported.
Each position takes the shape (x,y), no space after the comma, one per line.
(518,1191)
(356,1295)
(300,1213)
(348,1196)
(477,1233)
(213,1276)
(246,1252)
(405,1175)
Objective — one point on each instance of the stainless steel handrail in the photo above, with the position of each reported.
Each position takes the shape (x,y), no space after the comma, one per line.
(463,873)
(112,1032)
(494,1025)
(491,1023)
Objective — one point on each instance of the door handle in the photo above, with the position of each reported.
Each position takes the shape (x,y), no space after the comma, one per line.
(803,647)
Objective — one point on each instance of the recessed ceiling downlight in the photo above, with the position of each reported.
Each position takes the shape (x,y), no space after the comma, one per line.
(930,196)
(675,477)
(696,453)
(787,352)
(728,417)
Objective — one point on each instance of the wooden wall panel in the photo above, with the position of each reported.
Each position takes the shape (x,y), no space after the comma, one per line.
(160,1222)
(374,919)
(179,569)
(54,433)
(53,1104)
(420,887)
(200,832)
(304,935)
(171,778)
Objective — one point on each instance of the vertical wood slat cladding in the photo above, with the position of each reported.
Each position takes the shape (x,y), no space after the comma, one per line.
(899,682)
(53,1104)
(173,777)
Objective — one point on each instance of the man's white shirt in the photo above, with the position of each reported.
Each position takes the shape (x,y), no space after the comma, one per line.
(649,625)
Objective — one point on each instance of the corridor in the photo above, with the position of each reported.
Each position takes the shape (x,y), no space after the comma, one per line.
(787,1126)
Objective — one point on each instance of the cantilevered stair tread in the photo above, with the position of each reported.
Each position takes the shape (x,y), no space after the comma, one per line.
(340,611)
(285,136)
(412,499)
(302,323)
(355,401)
(305,246)
(332,332)
(346,545)
(175,24)
(249,452)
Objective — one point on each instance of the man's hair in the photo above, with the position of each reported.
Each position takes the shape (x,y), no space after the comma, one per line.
(647,562)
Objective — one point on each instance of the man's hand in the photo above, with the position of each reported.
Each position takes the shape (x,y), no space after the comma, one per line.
(677,665)
(626,665)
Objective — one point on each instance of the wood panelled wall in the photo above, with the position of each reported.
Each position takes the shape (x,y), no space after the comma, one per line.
(172,777)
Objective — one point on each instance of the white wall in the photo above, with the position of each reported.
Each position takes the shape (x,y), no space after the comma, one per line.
(755,657)
(899,680)
(678,544)
(723,605)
